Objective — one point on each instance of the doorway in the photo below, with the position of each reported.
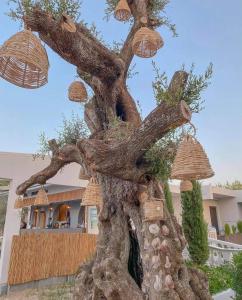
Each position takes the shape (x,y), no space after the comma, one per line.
(214,217)
(42,219)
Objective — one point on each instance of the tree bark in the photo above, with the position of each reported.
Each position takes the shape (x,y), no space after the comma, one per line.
(115,156)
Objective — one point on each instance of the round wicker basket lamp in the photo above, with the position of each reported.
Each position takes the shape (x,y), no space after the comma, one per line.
(186,185)
(92,194)
(18,202)
(191,161)
(77,92)
(24,61)
(145,43)
(41,198)
(122,11)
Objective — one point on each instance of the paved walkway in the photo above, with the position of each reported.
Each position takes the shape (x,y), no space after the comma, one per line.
(226,295)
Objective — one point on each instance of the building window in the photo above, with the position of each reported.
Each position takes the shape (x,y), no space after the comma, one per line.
(92,220)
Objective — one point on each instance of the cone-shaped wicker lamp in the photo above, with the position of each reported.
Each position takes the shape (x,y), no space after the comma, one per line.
(122,11)
(41,198)
(92,194)
(146,42)
(23,61)
(191,161)
(77,92)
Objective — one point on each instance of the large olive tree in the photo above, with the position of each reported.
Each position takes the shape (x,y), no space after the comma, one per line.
(147,263)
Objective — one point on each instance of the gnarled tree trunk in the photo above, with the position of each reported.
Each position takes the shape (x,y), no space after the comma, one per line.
(135,258)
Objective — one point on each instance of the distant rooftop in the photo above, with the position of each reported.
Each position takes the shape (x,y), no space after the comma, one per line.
(209,192)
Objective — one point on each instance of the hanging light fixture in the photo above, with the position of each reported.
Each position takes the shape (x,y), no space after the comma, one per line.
(77,92)
(191,161)
(122,11)
(186,185)
(146,42)
(24,61)
(92,194)
(41,197)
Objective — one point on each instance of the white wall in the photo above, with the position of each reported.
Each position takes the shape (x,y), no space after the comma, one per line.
(18,167)
(229,211)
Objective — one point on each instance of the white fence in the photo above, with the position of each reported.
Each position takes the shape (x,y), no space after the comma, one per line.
(221,252)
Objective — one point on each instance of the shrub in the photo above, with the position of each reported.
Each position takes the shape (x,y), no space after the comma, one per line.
(237,275)
(168,197)
(239,226)
(219,278)
(193,224)
(227,229)
(234,229)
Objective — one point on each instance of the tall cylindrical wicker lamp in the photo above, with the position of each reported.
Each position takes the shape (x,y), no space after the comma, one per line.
(92,194)
(41,198)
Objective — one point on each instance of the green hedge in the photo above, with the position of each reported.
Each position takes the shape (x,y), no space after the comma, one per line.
(237,276)
(220,278)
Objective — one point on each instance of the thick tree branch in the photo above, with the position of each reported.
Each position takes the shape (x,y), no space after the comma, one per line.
(122,158)
(61,157)
(79,48)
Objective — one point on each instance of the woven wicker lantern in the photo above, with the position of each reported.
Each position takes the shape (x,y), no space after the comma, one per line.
(18,203)
(24,61)
(191,161)
(67,23)
(153,210)
(122,11)
(92,194)
(77,92)
(146,42)
(186,185)
(41,198)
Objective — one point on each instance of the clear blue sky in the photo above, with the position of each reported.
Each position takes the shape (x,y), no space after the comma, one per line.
(209,31)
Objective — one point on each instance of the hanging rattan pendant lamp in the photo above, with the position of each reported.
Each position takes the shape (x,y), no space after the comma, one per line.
(24,61)
(122,11)
(41,198)
(77,92)
(146,42)
(186,185)
(92,194)
(191,161)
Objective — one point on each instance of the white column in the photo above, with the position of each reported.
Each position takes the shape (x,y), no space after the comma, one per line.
(12,226)
(29,218)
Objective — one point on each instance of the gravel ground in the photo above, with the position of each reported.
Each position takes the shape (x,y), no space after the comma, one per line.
(60,292)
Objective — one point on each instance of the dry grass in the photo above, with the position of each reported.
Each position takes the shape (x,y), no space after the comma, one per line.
(58,292)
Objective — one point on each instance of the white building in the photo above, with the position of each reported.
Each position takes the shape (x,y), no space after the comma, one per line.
(64,211)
